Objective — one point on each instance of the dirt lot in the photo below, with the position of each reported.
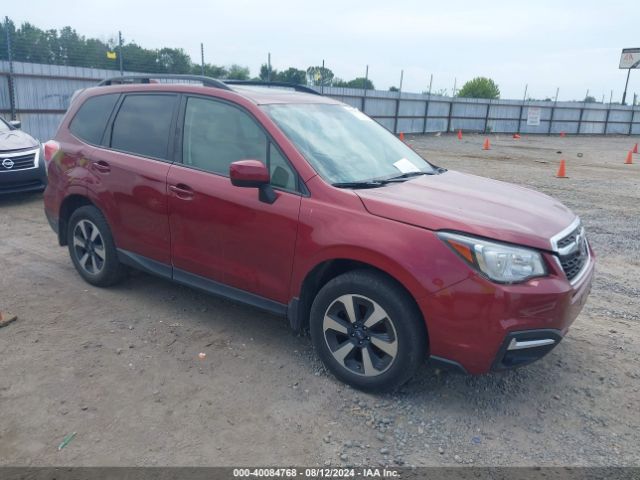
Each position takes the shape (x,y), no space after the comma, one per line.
(120,366)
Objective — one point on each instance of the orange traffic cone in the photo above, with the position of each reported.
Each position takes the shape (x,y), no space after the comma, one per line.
(460,135)
(401,136)
(486,145)
(562,170)
(629,160)
(635,148)
(516,136)
(562,134)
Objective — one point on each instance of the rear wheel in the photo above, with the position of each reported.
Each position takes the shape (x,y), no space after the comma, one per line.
(367,331)
(92,249)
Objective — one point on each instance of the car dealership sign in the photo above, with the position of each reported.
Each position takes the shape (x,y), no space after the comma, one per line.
(630,58)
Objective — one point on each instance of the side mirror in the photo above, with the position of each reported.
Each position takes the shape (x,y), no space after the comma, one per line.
(248,173)
(253,174)
(15,123)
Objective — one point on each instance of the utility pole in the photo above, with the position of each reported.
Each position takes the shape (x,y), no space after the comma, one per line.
(202,58)
(366,80)
(364,87)
(269,67)
(120,53)
(12,96)
(624,95)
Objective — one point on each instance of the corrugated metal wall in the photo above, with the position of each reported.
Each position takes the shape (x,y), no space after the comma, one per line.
(42,94)
(445,114)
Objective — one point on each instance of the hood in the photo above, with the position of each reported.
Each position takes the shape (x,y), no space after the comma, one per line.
(16,140)
(476,205)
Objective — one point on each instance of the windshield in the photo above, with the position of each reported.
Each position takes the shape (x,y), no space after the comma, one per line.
(343,145)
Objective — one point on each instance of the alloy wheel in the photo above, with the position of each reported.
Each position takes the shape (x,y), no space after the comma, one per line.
(360,335)
(88,247)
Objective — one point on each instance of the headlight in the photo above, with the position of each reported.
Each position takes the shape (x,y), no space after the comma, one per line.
(500,262)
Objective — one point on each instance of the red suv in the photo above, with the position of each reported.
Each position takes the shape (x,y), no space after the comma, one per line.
(305,207)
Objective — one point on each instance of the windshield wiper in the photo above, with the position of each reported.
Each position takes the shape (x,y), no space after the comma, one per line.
(415,174)
(367,184)
(380,182)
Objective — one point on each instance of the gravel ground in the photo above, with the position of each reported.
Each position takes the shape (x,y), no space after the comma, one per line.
(121,367)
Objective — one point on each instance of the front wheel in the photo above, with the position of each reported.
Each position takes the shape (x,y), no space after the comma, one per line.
(368,331)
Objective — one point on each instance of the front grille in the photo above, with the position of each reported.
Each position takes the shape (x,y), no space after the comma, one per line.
(569,239)
(17,162)
(575,254)
(572,264)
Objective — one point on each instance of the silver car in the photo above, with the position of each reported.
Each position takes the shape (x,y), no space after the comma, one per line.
(22,166)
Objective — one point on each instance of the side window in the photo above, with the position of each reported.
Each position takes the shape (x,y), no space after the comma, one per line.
(282,175)
(216,134)
(91,119)
(143,125)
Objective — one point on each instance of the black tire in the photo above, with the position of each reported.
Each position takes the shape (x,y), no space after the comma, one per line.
(403,322)
(101,272)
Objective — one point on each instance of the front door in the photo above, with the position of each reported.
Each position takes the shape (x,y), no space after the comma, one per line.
(225,233)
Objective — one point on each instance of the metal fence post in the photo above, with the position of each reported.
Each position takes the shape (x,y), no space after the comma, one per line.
(10,79)
(524,99)
(606,119)
(364,94)
(486,117)
(553,107)
(584,104)
(426,114)
(520,116)
(580,119)
(395,120)
(120,53)
(202,58)
(426,107)
(449,115)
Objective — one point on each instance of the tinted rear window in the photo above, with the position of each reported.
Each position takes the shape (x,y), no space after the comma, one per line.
(92,117)
(143,124)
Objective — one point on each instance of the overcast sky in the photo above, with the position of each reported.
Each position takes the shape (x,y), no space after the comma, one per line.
(573,45)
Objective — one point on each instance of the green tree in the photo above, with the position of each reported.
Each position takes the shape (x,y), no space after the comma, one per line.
(361,82)
(480,87)
(394,89)
(264,72)
(67,47)
(238,72)
(210,70)
(293,75)
(319,76)
(589,99)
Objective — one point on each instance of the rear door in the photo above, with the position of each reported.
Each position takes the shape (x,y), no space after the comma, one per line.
(225,233)
(130,172)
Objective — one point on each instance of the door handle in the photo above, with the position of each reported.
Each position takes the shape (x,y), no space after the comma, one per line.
(101,166)
(182,191)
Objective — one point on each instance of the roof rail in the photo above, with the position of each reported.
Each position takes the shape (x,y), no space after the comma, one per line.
(206,81)
(264,83)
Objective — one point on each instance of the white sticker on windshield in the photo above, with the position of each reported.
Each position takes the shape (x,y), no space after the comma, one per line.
(358,114)
(405,166)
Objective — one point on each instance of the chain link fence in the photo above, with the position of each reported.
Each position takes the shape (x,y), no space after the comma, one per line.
(39,73)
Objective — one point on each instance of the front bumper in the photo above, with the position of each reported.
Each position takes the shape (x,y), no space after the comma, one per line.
(472,323)
(27,180)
